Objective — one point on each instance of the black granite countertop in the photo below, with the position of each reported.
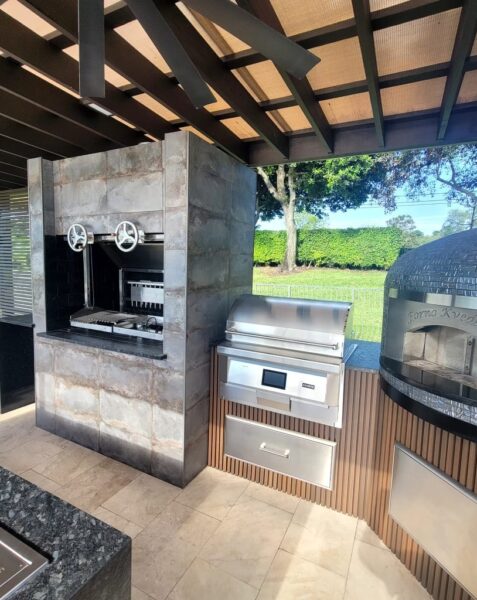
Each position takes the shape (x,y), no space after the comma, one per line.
(21,320)
(365,356)
(77,545)
(110,341)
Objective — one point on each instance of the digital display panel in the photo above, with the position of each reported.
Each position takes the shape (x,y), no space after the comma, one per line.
(274,379)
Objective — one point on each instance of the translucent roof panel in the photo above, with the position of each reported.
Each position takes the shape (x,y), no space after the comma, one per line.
(156,107)
(134,34)
(111,76)
(346,109)
(380,4)
(468,89)
(341,62)
(263,81)
(27,17)
(418,43)
(290,119)
(240,127)
(413,97)
(297,16)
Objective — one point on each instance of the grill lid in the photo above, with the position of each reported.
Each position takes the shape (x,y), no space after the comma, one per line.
(311,326)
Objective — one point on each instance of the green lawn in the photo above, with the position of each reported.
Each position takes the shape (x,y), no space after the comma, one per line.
(363,288)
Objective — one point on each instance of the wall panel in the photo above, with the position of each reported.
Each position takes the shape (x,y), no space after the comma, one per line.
(372,424)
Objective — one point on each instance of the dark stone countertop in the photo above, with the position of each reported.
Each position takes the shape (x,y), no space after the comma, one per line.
(365,357)
(110,341)
(21,320)
(78,545)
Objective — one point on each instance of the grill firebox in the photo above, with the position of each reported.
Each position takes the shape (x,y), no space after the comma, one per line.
(428,354)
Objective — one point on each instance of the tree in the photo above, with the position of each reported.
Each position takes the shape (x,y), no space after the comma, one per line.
(307,222)
(315,187)
(457,220)
(424,172)
(412,236)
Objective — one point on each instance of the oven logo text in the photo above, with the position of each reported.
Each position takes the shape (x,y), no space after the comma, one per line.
(444,312)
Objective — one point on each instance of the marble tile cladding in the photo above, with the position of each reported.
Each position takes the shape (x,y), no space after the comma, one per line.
(143,158)
(168,389)
(241,267)
(208,270)
(78,365)
(197,384)
(206,307)
(167,425)
(135,193)
(175,229)
(129,378)
(176,174)
(77,198)
(175,310)
(175,269)
(129,415)
(206,232)
(152,221)
(80,168)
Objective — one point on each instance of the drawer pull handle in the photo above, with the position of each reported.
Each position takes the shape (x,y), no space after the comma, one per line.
(282,453)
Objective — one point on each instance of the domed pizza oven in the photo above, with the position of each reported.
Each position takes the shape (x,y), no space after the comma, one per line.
(428,354)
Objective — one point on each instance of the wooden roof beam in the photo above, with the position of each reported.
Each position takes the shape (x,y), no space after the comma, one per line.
(39,92)
(362,15)
(29,48)
(300,88)
(128,61)
(220,79)
(464,41)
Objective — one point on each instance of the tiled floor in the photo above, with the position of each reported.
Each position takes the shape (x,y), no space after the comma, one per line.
(221,538)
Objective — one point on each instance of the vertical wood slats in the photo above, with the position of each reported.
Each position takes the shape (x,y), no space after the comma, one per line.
(372,425)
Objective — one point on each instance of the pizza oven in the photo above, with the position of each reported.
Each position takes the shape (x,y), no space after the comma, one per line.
(428,355)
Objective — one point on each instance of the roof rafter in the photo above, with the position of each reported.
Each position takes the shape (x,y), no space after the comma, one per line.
(22,150)
(20,110)
(41,141)
(464,41)
(13,161)
(221,80)
(36,90)
(29,48)
(125,59)
(362,15)
(300,88)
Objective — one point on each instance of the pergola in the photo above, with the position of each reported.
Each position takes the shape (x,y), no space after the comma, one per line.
(393,74)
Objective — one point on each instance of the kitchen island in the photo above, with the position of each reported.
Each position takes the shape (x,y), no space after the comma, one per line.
(86,558)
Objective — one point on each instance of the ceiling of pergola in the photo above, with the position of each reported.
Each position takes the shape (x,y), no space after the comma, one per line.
(393,74)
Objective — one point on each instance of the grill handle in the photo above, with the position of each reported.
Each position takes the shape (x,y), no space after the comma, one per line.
(282,453)
(269,337)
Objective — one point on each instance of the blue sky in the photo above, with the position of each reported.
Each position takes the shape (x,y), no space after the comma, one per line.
(428,214)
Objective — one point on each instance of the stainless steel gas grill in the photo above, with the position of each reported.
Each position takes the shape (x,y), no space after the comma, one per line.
(287,355)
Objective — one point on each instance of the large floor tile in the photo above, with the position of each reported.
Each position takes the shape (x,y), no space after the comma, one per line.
(213,492)
(271,496)
(376,573)
(364,533)
(42,482)
(91,489)
(322,536)
(247,540)
(73,461)
(166,548)
(293,578)
(29,454)
(142,500)
(202,580)
(137,594)
(118,522)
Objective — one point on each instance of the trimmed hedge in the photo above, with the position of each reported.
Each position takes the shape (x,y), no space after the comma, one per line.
(364,248)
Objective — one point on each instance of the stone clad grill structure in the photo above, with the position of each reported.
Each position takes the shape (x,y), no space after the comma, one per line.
(148,412)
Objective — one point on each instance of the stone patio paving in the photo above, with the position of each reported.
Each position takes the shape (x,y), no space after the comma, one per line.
(220,538)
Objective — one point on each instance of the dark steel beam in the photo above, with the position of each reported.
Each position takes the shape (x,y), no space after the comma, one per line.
(362,16)
(40,141)
(464,41)
(17,109)
(380,19)
(22,150)
(300,88)
(13,161)
(401,134)
(5,173)
(91,48)
(125,59)
(174,54)
(29,48)
(25,85)
(221,80)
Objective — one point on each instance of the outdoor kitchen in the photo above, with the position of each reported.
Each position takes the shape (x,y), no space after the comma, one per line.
(178,420)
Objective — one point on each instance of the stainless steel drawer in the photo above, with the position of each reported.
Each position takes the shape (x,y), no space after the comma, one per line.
(302,456)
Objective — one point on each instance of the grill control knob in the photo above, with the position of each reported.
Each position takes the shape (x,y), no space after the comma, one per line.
(78,237)
(127,236)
